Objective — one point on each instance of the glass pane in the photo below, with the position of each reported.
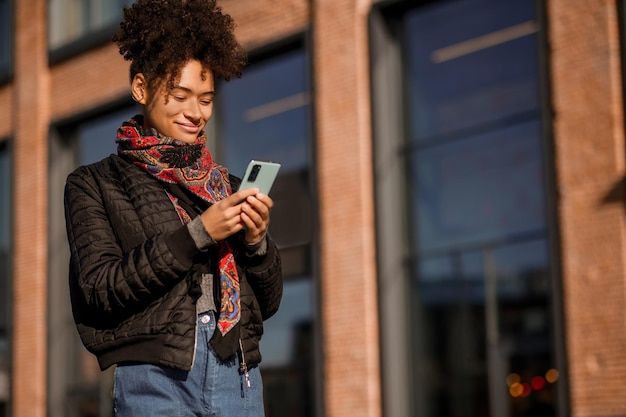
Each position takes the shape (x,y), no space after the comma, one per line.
(65,21)
(454,277)
(523,342)
(70,20)
(470,63)
(265,115)
(97,137)
(6,35)
(5,208)
(450,378)
(522,270)
(454,339)
(481,313)
(288,357)
(481,188)
(103,12)
(293,318)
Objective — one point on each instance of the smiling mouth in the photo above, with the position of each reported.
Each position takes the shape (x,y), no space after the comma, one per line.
(189,128)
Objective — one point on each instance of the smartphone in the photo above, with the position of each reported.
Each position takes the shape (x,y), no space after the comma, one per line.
(260,174)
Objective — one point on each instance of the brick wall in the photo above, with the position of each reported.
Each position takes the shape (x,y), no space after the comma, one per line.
(6,117)
(88,81)
(30,116)
(589,146)
(344,157)
(261,22)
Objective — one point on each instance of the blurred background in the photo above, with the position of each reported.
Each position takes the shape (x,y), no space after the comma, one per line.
(450,211)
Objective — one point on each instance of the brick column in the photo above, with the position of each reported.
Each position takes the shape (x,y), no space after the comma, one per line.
(590,162)
(347,253)
(30,166)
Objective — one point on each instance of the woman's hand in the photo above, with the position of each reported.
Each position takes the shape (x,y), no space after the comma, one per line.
(255,215)
(225,217)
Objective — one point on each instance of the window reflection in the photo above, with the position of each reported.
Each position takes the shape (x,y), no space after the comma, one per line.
(481,287)
(452,293)
(6,36)
(96,138)
(265,115)
(69,20)
(491,76)
(287,348)
(278,345)
(479,188)
(522,270)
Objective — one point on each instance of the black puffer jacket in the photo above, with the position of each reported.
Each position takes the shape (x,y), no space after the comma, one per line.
(131,258)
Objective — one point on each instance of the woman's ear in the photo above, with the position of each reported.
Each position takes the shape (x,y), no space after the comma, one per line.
(138,88)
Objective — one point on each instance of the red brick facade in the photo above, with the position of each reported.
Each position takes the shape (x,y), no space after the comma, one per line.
(587,97)
(30,116)
(588,128)
(344,158)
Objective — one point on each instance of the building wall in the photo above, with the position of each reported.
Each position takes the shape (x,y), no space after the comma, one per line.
(30,109)
(347,254)
(588,127)
(586,94)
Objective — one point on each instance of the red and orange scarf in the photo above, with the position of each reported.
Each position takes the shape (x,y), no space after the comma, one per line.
(190,166)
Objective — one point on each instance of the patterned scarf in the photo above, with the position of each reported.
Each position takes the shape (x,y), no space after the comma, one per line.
(191,167)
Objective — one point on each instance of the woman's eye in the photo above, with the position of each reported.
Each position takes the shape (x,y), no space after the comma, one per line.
(178,98)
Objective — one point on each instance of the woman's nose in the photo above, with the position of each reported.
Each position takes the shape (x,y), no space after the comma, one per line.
(193,111)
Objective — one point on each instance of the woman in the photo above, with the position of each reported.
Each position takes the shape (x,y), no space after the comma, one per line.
(172,271)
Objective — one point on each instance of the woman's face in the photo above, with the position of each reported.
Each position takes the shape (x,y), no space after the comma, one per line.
(182,112)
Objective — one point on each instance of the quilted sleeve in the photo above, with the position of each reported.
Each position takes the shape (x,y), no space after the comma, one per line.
(264,273)
(103,277)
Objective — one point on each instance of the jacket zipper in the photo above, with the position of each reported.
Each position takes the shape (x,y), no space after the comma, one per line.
(243,367)
(195,345)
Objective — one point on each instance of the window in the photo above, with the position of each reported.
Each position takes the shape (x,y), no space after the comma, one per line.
(96,138)
(482,270)
(6,38)
(266,115)
(80,24)
(5,278)
(77,387)
(480,273)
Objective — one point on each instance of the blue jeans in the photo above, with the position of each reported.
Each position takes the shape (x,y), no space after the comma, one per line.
(211,388)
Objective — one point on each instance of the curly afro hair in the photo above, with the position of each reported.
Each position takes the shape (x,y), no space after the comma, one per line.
(160,36)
